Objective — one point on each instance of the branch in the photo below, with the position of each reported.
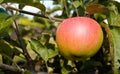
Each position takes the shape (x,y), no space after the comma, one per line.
(23,46)
(10,68)
(25,53)
(111,45)
(31,13)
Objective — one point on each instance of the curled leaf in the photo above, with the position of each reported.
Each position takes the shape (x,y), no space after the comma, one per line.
(96,8)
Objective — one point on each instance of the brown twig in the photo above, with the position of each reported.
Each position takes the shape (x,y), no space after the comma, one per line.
(66,7)
(23,46)
(111,45)
(30,63)
(10,68)
(31,13)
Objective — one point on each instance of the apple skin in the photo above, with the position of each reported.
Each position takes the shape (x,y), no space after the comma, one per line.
(79,38)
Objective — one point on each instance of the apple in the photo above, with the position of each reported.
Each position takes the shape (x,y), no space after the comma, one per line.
(79,38)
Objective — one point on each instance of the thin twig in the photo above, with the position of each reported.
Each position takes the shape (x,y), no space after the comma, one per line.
(9,58)
(31,13)
(111,45)
(76,10)
(23,46)
(10,68)
(66,8)
(30,62)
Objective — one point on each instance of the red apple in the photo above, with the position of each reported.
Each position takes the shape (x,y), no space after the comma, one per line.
(79,37)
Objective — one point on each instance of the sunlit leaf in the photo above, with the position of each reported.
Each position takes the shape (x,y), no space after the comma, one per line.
(76,4)
(117,21)
(1,1)
(7,51)
(117,5)
(36,46)
(96,8)
(116,40)
(52,53)
(26,72)
(99,17)
(5,23)
(3,17)
(5,47)
(64,71)
(114,20)
(42,50)
(42,21)
(3,14)
(26,21)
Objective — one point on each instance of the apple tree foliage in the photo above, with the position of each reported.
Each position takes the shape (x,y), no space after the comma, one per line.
(28,46)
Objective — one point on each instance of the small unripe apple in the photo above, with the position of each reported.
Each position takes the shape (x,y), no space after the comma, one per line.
(79,38)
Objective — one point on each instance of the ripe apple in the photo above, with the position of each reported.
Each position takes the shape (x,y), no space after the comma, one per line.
(79,38)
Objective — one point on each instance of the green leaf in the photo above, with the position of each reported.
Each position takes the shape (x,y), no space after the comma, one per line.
(42,50)
(3,14)
(116,40)
(36,46)
(7,51)
(76,4)
(3,17)
(5,23)
(1,1)
(42,21)
(52,53)
(6,46)
(26,72)
(28,2)
(99,17)
(26,21)
(114,19)
(44,54)
(39,49)
(117,5)
(65,71)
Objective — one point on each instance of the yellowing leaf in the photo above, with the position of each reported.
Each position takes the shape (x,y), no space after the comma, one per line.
(26,21)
